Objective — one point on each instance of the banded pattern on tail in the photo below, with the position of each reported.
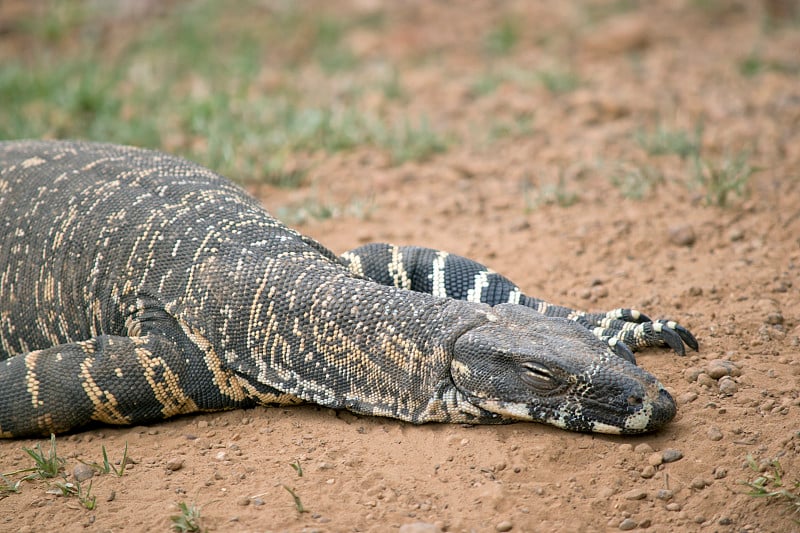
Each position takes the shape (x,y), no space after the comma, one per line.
(452,276)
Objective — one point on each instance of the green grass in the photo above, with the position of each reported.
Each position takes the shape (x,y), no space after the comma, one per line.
(493,77)
(754,64)
(77,490)
(188,521)
(559,81)
(485,84)
(329,50)
(557,193)
(502,39)
(8,486)
(594,12)
(663,140)
(520,125)
(409,141)
(46,465)
(720,180)
(637,181)
(57,21)
(107,467)
(751,65)
(771,486)
(297,468)
(226,86)
(312,208)
(297,503)
(392,87)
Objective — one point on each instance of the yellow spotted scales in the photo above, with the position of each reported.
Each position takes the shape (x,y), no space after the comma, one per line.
(135,286)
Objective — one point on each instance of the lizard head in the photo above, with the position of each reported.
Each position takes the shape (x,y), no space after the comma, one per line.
(523,366)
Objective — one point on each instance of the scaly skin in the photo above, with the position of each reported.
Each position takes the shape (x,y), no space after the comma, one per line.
(135,286)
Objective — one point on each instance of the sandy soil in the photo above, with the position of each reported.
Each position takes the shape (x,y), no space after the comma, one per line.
(729,274)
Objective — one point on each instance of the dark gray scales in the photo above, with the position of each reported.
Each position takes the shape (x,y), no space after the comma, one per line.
(135,286)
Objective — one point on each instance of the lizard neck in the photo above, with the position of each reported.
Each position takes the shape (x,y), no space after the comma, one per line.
(321,335)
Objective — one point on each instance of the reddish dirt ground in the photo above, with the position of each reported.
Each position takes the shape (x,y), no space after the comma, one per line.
(730,274)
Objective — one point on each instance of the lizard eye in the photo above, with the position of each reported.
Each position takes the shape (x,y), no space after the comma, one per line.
(537,375)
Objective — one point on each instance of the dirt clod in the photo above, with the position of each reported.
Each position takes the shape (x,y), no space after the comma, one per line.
(727,386)
(635,494)
(719,367)
(174,463)
(664,494)
(505,525)
(682,235)
(714,433)
(670,455)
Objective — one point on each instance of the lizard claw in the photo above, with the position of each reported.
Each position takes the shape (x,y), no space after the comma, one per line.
(670,337)
(685,335)
(621,349)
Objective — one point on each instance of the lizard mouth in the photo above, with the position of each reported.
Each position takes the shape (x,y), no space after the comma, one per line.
(638,413)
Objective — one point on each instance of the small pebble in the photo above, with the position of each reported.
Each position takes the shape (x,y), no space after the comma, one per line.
(720,472)
(699,483)
(699,519)
(706,381)
(243,501)
(774,319)
(82,472)
(627,524)
(111,496)
(648,472)
(720,367)
(664,494)
(518,225)
(690,374)
(635,494)
(600,291)
(505,525)
(670,455)
(674,506)
(727,386)
(682,235)
(655,459)
(714,433)
(643,447)
(174,463)
(687,397)
(258,502)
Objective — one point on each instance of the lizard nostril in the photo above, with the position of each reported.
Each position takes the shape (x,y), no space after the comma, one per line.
(635,400)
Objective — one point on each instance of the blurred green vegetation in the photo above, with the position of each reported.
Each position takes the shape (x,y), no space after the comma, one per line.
(240,87)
